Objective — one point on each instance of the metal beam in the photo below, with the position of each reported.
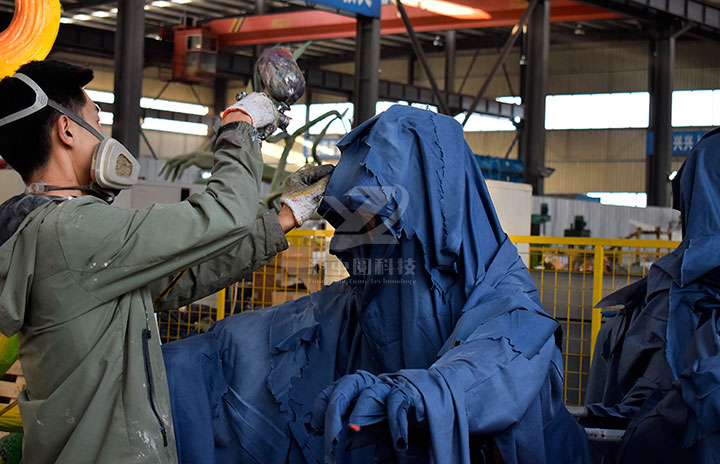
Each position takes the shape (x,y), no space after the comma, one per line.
(231,66)
(514,34)
(161,114)
(343,84)
(662,63)
(533,146)
(68,7)
(703,15)
(367,69)
(315,25)
(420,54)
(129,54)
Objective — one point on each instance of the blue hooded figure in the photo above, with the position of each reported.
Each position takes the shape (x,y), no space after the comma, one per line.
(657,361)
(435,349)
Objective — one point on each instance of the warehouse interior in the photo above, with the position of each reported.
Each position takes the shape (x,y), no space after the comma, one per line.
(579,114)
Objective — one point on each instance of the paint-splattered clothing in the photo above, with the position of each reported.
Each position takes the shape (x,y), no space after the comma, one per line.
(77,282)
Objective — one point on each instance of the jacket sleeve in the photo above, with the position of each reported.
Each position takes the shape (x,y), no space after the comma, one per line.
(266,239)
(111,251)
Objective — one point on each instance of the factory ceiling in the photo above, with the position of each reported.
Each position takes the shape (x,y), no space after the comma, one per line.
(577,23)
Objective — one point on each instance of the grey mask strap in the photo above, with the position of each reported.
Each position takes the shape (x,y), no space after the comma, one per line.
(41,101)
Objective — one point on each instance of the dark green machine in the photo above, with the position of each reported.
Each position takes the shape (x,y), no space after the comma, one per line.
(538,221)
(577,228)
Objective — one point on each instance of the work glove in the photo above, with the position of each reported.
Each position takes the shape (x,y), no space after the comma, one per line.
(261,110)
(304,189)
(375,399)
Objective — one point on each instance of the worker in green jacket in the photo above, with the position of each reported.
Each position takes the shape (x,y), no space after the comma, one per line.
(79,277)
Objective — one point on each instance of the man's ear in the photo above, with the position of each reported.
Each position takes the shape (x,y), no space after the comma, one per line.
(65,131)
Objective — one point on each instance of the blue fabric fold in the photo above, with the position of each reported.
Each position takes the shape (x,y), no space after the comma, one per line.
(438,306)
(658,361)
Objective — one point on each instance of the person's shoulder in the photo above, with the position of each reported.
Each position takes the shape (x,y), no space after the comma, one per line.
(75,213)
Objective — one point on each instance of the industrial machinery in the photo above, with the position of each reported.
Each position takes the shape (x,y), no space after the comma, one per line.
(194,54)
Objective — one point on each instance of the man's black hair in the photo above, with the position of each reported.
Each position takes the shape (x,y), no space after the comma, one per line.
(25,144)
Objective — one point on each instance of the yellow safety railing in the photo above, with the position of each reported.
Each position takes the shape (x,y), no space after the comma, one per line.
(564,269)
(570,283)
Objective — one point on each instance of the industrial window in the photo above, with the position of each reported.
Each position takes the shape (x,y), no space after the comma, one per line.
(621,198)
(691,108)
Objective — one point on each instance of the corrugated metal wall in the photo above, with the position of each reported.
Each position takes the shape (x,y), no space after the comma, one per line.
(604,220)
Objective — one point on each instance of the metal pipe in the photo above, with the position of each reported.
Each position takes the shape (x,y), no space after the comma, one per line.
(421,57)
(605,435)
(501,59)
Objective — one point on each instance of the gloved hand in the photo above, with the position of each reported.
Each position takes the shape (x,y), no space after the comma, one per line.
(261,110)
(387,397)
(304,190)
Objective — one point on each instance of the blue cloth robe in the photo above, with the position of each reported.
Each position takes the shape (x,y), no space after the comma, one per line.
(438,300)
(657,362)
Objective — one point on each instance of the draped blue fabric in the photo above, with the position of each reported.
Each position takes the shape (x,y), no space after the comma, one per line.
(435,345)
(658,360)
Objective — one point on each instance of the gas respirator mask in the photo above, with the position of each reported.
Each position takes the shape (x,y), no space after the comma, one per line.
(113,168)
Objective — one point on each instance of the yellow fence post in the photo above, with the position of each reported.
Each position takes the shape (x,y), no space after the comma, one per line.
(598,269)
(221,304)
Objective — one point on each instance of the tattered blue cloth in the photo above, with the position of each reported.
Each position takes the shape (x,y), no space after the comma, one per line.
(435,346)
(657,363)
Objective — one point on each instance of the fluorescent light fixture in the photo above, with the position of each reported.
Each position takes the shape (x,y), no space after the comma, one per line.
(99,96)
(146,7)
(181,2)
(446,8)
(100,14)
(180,127)
(114,11)
(66,21)
(161,4)
(178,107)
(82,17)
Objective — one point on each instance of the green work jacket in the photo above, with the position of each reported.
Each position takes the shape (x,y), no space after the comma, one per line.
(77,282)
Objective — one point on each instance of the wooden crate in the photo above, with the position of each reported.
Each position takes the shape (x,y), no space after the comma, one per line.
(11,384)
